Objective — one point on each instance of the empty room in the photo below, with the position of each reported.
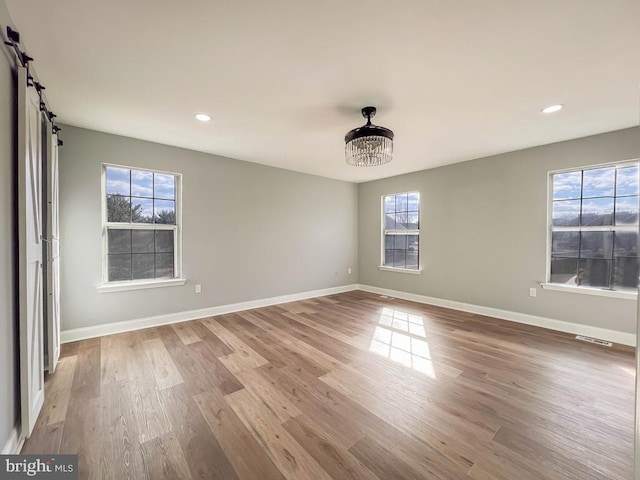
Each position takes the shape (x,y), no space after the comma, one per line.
(319,240)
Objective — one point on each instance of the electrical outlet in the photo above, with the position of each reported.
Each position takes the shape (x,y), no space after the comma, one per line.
(349,270)
(533,292)
(198,288)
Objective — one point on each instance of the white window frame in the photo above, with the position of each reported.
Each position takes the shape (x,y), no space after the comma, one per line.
(124,285)
(384,232)
(588,290)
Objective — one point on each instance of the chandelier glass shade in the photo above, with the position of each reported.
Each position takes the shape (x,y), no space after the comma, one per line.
(369,145)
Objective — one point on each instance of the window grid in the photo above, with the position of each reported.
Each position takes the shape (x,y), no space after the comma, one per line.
(401,230)
(609,268)
(161,262)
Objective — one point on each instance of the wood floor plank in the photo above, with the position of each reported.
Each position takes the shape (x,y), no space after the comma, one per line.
(326,362)
(58,391)
(383,462)
(290,458)
(338,463)
(261,388)
(332,421)
(116,357)
(438,461)
(339,409)
(249,356)
(163,458)
(44,439)
(86,378)
(269,346)
(203,453)
(81,435)
(244,452)
(217,346)
(186,334)
(119,437)
(198,366)
(164,371)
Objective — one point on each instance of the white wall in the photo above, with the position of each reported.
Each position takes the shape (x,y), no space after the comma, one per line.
(249,231)
(484,230)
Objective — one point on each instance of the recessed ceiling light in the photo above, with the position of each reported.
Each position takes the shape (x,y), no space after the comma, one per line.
(203,117)
(552,108)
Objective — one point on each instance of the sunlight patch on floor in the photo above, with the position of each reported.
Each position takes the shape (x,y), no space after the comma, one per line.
(401,337)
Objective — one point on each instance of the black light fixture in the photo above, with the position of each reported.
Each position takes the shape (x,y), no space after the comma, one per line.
(369,145)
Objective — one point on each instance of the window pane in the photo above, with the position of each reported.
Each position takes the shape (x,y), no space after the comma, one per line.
(627,181)
(565,244)
(142,210)
(399,258)
(165,211)
(400,242)
(597,211)
(118,181)
(389,204)
(566,213)
(119,267)
(627,211)
(402,202)
(596,245)
(563,270)
(567,185)
(164,186)
(164,241)
(119,241)
(142,265)
(625,272)
(389,241)
(164,265)
(388,257)
(598,182)
(626,244)
(141,184)
(142,241)
(413,242)
(389,221)
(402,221)
(414,201)
(594,272)
(118,209)
(413,220)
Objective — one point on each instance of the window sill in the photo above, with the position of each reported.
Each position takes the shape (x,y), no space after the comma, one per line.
(400,270)
(140,285)
(601,292)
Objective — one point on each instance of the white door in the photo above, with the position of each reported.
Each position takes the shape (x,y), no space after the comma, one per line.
(53,253)
(30,257)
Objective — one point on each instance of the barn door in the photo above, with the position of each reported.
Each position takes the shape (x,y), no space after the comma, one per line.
(30,253)
(53,252)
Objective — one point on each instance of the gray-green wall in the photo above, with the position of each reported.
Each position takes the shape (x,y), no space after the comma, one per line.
(9,400)
(484,229)
(249,231)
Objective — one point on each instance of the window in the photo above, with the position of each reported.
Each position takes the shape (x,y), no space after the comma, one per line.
(141,219)
(594,227)
(401,230)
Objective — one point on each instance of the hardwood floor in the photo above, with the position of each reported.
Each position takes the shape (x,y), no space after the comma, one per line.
(350,386)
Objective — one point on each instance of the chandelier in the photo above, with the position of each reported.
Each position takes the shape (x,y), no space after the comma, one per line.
(369,145)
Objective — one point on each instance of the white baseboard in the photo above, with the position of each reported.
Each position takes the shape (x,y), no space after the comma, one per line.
(14,443)
(558,325)
(138,324)
(72,335)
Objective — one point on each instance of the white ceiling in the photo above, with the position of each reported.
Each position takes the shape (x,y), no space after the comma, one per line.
(284,80)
